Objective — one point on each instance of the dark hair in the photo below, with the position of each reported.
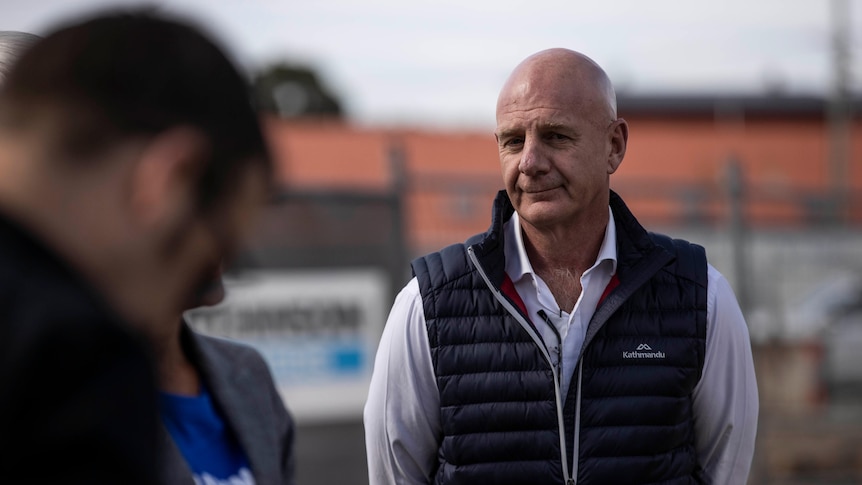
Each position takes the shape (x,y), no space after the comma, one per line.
(132,73)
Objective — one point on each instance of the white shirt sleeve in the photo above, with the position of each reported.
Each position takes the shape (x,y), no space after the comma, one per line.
(402,413)
(725,399)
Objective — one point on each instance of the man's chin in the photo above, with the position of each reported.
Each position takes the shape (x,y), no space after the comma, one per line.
(213,295)
(208,293)
(545,214)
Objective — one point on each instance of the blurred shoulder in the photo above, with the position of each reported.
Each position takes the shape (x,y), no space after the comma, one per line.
(225,349)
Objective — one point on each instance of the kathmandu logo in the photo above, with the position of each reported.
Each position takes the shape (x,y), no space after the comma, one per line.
(644,351)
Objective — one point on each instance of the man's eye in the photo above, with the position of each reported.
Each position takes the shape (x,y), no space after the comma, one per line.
(513,142)
(556,136)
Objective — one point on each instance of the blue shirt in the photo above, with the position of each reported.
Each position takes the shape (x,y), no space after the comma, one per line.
(204,439)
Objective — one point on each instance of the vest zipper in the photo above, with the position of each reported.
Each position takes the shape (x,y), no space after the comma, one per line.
(577,443)
(568,479)
(577,438)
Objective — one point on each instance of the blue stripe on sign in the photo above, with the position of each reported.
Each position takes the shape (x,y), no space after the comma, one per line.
(297,362)
(347,359)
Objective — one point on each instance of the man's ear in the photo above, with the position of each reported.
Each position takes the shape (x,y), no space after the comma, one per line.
(164,178)
(619,137)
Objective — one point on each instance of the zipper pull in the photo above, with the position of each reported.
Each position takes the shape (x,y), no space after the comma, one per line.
(555,351)
(559,347)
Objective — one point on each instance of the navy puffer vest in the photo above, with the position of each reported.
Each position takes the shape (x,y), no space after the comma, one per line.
(628,416)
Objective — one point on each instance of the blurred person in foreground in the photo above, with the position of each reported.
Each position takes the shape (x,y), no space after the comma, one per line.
(130,164)
(224,419)
(567,344)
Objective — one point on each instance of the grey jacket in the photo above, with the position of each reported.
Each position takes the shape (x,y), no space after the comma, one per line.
(242,388)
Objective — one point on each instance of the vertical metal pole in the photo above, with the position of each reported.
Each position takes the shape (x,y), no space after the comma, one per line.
(399,262)
(738,232)
(839,113)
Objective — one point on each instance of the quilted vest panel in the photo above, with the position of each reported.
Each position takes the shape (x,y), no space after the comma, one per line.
(497,397)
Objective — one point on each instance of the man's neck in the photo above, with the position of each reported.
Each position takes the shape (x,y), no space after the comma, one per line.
(64,227)
(574,247)
(76,217)
(177,375)
(561,256)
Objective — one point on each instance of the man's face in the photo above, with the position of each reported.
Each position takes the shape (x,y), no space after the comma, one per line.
(554,151)
(220,234)
(211,292)
(128,218)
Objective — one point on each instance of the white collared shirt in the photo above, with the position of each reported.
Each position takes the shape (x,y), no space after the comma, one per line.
(570,324)
(402,413)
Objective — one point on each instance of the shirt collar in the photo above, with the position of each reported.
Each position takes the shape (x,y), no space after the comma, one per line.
(518,264)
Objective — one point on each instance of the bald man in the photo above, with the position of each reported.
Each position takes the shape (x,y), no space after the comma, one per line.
(566,344)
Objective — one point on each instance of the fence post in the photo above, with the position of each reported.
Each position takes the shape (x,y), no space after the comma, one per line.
(838,111)
(735,181)
(399,265)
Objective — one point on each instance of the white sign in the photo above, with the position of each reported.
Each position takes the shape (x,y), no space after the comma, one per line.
(318,331)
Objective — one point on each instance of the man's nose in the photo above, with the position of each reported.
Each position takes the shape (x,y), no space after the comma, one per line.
(533,160)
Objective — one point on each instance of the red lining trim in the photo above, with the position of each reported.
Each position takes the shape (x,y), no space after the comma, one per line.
(508,289)
(613,283)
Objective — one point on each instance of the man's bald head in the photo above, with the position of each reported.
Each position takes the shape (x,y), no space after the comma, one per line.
(559,140)
(12,45)
(565,70)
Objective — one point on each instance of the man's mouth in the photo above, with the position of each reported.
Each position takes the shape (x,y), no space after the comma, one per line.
(538,190)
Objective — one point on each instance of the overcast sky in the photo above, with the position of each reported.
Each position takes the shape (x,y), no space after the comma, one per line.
(441,62)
